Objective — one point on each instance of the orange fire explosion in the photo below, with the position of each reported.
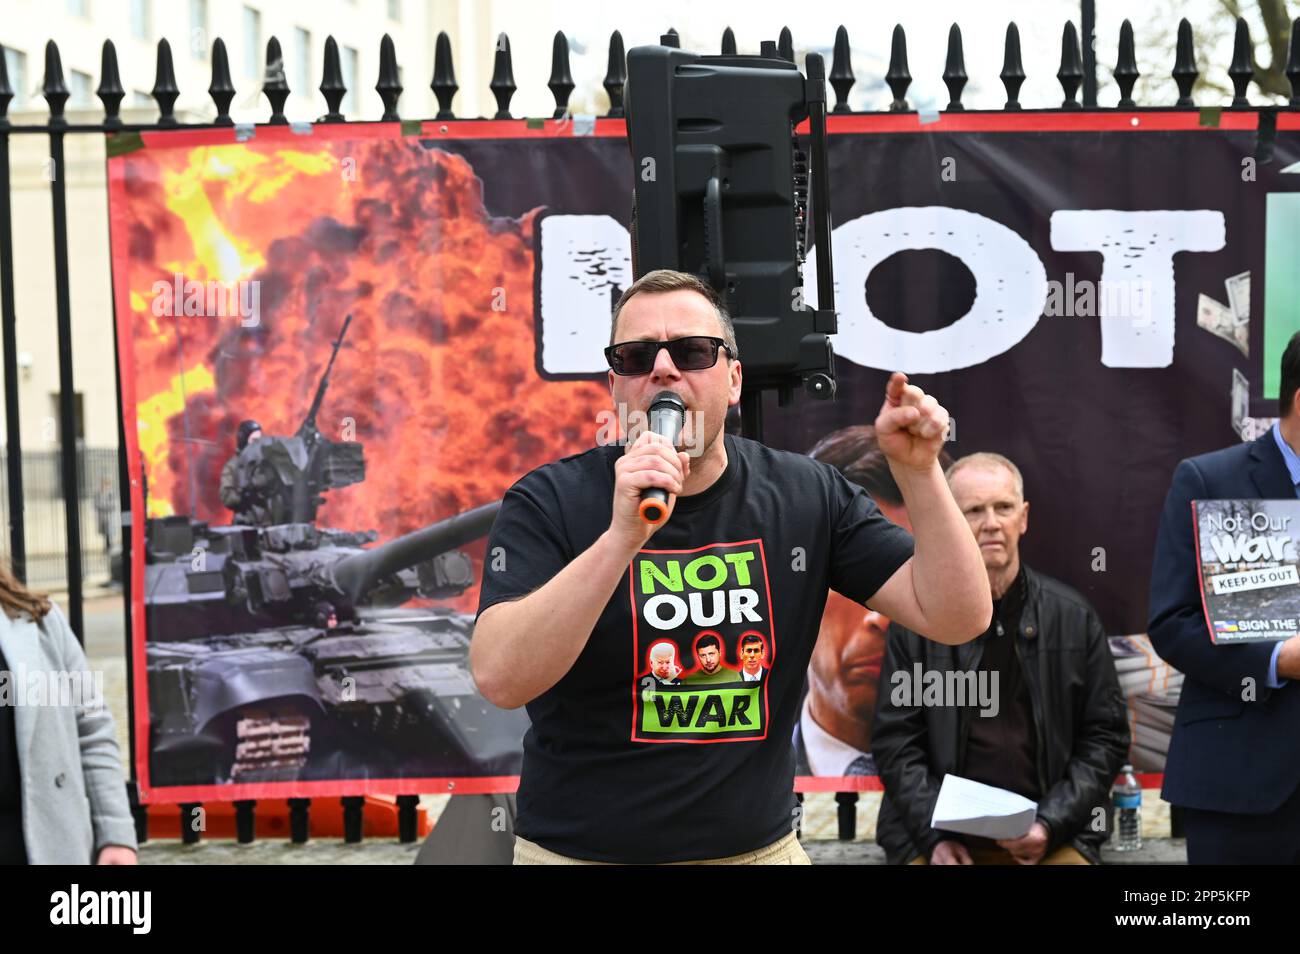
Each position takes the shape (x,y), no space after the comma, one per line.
(438,384)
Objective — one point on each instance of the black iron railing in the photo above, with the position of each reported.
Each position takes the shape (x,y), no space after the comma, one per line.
(1071,75)
(1076,72)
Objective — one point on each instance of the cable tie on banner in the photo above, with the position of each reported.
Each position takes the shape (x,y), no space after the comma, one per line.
(119,144)
(300,128)
(1210,116)
(927,116)
(532,122)
(244,132)
(584,124)
(1265,134)
(412,127)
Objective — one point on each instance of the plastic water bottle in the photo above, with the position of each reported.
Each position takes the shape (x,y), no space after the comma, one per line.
(1128,812)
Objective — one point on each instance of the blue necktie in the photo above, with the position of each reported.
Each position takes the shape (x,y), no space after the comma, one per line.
(862,765)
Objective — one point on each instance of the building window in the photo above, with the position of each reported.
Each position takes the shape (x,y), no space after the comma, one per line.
(141,100)
(199,29)
(79,8)
(252,42)
(140,19)
(79,89)
(78,414)
(395,10)
(351,79)
(16,64)
(302,62)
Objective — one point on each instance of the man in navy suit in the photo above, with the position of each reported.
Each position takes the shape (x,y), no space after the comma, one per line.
(1233,765)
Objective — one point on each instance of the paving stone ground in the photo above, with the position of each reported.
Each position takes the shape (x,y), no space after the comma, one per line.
(332,852)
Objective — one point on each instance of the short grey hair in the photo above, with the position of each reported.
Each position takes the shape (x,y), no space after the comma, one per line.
(989,460)
(666,280)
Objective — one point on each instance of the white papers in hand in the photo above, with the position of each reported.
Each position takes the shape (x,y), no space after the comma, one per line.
(973,808)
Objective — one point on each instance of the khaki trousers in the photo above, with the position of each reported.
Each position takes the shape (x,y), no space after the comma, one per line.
(787,851)
(1065,855)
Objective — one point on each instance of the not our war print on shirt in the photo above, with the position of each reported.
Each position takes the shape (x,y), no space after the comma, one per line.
(701,621)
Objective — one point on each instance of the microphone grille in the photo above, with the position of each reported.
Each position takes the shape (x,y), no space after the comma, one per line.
(666,400)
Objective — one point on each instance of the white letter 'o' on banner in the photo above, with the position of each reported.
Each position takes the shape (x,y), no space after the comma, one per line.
(1010,288)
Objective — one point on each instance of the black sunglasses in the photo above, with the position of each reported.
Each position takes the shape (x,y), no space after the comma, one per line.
(694,353)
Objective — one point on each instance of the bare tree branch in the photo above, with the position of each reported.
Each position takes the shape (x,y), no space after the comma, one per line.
(1277,29)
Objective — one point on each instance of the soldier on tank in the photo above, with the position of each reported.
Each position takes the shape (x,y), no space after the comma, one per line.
(237,491)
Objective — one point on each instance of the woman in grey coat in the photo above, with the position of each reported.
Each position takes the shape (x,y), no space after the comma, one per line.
(62,794)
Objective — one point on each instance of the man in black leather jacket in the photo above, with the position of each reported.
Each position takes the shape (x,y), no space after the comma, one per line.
(1057,731)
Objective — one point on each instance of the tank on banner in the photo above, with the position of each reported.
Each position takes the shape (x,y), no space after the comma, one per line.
(280,479)
(282,651)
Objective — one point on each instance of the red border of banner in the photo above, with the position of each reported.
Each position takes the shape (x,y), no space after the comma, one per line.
(139,701)
(1172,120)
(947,122)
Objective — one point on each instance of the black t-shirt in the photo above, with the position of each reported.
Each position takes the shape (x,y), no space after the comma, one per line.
(654,747)
(1003,750)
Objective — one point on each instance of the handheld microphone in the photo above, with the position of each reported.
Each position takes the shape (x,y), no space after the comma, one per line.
(667,417)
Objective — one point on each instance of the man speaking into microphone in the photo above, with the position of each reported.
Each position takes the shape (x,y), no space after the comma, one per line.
(584,594)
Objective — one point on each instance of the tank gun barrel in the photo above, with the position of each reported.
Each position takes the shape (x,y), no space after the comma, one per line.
(354,575)
(308,427)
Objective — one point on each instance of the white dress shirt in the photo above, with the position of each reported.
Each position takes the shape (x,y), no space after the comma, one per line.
(827,755)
